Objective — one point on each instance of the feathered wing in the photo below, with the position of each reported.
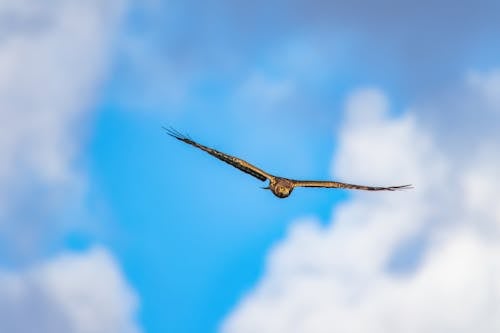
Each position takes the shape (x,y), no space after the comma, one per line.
(331,184)
(234,161)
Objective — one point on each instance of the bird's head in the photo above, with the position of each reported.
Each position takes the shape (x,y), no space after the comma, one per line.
(280,187)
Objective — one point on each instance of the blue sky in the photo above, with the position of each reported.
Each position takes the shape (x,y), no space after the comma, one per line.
(356,91)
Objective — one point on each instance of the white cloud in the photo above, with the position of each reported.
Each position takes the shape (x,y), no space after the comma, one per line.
(426,260)
(488,85)
(72,293)
(53,58)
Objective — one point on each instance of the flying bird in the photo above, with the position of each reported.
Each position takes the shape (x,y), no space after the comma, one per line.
(280,186)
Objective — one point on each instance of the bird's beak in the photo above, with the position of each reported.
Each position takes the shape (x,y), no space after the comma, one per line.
(265,188)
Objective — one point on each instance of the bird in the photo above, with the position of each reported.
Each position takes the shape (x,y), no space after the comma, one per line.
(280,186)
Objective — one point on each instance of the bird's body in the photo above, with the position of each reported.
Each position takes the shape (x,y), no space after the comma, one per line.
(280,186)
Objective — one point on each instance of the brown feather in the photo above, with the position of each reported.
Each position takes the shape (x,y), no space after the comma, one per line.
(332,184)
(234,161)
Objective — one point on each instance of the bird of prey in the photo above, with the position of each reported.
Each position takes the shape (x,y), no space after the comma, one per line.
(280,186)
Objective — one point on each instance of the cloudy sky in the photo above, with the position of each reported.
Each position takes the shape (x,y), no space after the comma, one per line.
(108,225)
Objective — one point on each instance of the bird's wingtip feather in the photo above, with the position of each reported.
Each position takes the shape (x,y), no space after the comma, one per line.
(175,133)
(402,187)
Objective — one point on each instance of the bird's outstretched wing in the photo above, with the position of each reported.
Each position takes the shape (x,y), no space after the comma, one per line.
(331,184)
(234,161)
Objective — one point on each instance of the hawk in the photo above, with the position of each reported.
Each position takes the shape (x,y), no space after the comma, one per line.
(280,186)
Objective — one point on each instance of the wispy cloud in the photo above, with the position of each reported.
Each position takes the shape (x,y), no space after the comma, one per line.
(427,42)
(419,261)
